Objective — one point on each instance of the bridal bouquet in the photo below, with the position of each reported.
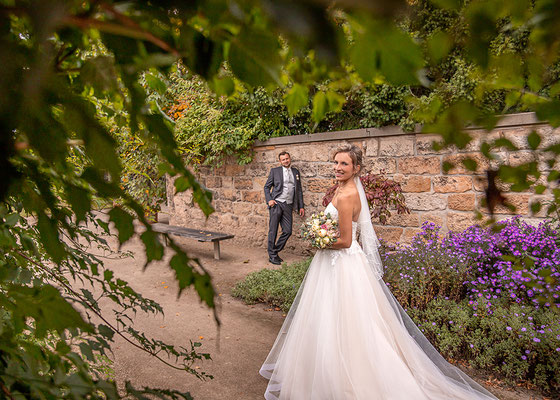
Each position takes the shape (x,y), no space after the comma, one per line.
(321,230)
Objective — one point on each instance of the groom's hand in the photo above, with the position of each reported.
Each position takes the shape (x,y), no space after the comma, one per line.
(301,212)
(271,203)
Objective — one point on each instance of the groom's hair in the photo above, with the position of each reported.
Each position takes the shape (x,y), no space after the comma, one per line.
(283,154)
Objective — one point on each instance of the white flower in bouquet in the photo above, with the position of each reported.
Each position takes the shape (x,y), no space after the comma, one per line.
(321,230)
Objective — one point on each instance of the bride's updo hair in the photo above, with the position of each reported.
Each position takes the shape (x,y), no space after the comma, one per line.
(354,152)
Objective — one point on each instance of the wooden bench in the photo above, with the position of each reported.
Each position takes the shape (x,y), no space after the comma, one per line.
(201,236)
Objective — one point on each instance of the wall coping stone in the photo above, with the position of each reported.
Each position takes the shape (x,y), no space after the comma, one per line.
(520,119)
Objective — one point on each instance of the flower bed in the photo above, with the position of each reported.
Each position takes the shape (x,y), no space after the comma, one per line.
(475,300)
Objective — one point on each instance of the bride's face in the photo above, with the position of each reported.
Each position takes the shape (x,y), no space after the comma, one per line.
(344,168)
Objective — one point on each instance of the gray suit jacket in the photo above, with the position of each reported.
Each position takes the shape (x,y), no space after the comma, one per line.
(274,185)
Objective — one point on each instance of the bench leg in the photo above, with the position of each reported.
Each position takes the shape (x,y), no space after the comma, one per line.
(217,250)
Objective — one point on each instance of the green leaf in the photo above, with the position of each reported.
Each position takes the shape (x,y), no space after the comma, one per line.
(553,176)
(555,90)
(181,184)
(47,307)
(204,289)
(536,72)
(449,4)
(124,223)
(549,111)
(439,45)
(536,207)
(335,101)
(320,106)
(155,83)
(534,140)
(105,331)
(79,200)
(470,164)
(86,351)
(183,271)
(254,57)
(48,231)
(392,53)
(12,219)
(503,142)
(154,249)
(100,73)
(539,189)
(223,86)
(512,99)
(296,98)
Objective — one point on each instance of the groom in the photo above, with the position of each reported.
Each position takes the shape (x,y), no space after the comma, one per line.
(283,194)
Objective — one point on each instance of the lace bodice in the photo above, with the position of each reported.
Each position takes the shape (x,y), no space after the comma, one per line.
(331,209)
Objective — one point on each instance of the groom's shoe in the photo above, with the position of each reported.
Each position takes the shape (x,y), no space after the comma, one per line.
(275,260)
(279,259)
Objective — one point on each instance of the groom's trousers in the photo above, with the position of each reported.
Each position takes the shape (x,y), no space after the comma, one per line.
(280,214)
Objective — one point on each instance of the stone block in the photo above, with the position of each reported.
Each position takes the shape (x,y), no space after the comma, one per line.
(315,152)
(372,148)
(521,157)
(260,209)
(264,155)
(242,183)
(519,201)
(213,182)
(388,233)
(257,170)
(425,201)
(461,202)
(376,165)
(518,137)
(415,184)
(404,220)
(227,182)
(458,222)
(258,183)
(409,234)
(228,194)
(452,184)
(227,223)
(548,135)
(437,219)
(480,183)
(396,146)
(222,206)
(306,170)
(234,170)
(424,144)
(458,167)
(253,196)
(325,170)
(242,208)
(419,165)
(317,185)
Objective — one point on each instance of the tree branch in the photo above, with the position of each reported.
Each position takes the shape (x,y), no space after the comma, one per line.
(135,32)
(84,301)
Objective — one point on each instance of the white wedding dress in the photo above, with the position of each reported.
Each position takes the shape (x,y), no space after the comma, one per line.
(346,338)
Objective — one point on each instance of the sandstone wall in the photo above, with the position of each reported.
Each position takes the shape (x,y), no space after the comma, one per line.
(449,199)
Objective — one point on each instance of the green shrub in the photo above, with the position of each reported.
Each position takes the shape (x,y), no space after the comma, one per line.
(519,342)
(277,287)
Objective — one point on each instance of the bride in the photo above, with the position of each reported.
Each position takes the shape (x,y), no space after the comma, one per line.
(346,337)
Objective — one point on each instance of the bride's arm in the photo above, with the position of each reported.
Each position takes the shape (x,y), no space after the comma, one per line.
(344,205)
